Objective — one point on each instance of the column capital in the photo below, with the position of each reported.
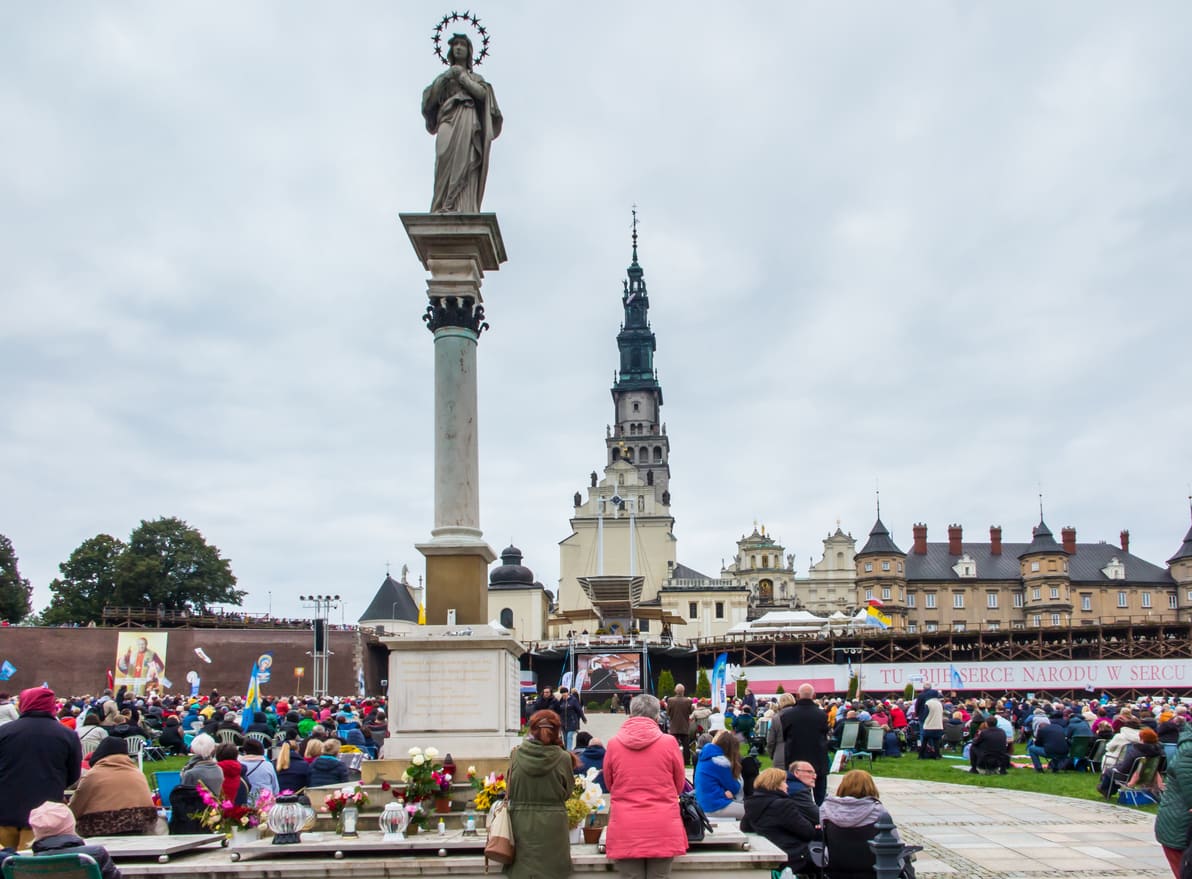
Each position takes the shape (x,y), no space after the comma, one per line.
(455,311)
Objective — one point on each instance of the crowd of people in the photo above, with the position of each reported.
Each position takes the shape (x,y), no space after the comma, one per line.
(49,746)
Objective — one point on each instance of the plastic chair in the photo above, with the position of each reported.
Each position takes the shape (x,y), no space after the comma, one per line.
(76,865)
(90,745)
(136,748)
(228,737)
(166,782)
(265,739)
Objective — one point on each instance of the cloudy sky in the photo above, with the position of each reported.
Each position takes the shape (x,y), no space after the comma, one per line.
(940,245)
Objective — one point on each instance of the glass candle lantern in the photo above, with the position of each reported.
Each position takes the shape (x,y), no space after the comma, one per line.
(287,818)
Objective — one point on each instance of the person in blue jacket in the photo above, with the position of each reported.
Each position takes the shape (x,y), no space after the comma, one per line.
(718,777)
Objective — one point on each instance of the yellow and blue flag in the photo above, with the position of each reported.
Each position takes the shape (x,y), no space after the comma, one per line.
(874,617)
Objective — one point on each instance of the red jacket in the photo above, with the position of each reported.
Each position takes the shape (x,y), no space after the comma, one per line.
(643,771)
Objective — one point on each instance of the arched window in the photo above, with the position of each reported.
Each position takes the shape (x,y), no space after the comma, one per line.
(629,455)
(643,454)
(641,503)
(657,454)
(765,561)
(507,617)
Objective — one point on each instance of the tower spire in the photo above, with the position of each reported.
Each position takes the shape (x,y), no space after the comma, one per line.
(634,212)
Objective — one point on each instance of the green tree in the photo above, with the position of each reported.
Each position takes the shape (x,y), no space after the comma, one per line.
(703,686)
(88,582)
(853,682)
(167,563)
(666,683)
(908,692)
(15,590)
(779,690)
(742,686)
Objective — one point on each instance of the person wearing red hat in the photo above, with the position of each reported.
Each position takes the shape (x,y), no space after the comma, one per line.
(39,759)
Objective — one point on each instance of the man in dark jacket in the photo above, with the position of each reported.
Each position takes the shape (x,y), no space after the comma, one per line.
(805,737)
(1050,742)
(989,748)
(571,712)
(800,780)
(546,702)
(39,760)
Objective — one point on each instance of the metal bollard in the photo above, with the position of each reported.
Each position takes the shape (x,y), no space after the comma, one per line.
(887,849)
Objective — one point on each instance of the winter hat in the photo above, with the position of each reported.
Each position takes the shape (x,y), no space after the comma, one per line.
(863,716)
(38,699)
(51,819)
(108,747)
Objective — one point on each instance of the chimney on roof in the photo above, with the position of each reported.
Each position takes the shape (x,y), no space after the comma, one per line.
(1068,538)
(955,533)
(1125,540)
(920,532)
(995,539)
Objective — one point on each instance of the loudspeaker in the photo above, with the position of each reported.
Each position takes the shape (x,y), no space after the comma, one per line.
(320,636)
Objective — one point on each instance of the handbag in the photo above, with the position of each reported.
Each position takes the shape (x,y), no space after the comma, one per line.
(499,845)
(695,822)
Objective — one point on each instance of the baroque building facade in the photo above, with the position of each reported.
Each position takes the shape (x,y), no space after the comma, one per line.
(961,585)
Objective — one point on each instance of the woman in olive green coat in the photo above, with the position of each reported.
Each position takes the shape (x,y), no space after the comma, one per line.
(1171,824)
(539,782)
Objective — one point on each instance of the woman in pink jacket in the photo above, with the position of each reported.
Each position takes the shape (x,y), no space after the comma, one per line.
(643,770)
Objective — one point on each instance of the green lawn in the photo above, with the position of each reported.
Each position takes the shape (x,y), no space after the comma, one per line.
(1079,785)
(166,765)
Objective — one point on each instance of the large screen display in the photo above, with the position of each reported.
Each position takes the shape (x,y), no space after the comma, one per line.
(606,672)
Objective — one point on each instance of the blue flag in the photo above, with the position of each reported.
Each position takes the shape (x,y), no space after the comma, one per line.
(720,682)
(957,680)
(7,670)
(252,699)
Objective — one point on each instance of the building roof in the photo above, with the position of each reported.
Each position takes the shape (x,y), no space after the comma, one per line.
(1043,541)
(682,572)
(879,541)
(1185,551)
(393,601)
(1084,566)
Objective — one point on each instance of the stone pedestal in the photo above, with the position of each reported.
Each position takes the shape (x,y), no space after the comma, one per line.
(457,249)
(454,691)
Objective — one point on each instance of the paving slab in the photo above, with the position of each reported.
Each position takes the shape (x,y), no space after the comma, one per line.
(989,833)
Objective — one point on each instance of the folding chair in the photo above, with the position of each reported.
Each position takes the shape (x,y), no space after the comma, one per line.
(1144,776)
(1096,755)
(1078,751)
(953,737)
(166,782)
(75,865)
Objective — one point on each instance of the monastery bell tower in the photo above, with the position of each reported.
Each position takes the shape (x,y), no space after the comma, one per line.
(639,436)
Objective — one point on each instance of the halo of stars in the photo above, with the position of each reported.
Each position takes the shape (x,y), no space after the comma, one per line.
(467,17)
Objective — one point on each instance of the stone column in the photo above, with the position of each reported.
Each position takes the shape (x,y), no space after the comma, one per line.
(456,249)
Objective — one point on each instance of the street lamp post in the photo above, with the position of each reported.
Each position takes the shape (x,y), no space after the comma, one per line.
(323,604)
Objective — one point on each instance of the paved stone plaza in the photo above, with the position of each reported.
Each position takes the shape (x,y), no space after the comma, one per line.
(984,832)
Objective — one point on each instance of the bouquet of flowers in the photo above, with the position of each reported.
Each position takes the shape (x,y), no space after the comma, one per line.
(351,795)
(488,790)
(586,799)
(420,777)
(224,816)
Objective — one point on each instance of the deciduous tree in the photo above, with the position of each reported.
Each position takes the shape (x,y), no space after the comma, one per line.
(88,582)
(169,564)
(15,590)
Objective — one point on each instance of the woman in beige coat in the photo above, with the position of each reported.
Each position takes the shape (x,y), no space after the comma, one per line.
(113,797)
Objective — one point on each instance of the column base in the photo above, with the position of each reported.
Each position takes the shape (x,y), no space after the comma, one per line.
(457,578)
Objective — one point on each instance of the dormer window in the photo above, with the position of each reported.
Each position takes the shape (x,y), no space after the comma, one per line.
(1115,570)
(966,567)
